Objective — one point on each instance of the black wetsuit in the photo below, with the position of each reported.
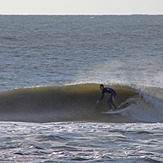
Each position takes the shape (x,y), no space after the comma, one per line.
(110,100)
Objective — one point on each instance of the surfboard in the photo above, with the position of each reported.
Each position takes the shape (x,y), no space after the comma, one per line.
(113,112)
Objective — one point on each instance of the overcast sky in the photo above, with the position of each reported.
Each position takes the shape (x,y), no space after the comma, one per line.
(81,7)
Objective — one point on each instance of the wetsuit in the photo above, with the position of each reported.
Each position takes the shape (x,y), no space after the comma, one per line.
(110,100)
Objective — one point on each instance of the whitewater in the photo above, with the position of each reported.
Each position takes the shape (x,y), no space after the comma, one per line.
(50,71)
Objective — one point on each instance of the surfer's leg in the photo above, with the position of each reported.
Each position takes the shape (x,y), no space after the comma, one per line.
(109,102)
(115,107)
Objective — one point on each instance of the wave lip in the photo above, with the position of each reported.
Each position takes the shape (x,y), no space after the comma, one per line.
(68,103)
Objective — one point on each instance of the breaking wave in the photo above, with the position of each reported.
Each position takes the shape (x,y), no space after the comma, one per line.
(78,103)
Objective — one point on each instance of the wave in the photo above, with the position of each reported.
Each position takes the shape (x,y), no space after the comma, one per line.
(78,103)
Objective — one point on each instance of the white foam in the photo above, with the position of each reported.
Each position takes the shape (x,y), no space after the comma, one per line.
(144,111)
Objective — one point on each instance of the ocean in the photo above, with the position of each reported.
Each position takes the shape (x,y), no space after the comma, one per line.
(50,71)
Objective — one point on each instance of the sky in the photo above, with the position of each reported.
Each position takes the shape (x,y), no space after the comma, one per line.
(81,7)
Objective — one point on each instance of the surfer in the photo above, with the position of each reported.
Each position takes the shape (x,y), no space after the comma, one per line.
(110,100)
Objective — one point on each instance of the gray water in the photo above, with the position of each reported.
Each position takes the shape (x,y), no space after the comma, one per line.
(59,50)
(68,50)
(85,142)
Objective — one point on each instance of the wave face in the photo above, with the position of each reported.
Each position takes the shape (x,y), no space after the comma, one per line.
(78,103)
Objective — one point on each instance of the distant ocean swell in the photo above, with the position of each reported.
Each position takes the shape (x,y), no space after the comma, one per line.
(78,103)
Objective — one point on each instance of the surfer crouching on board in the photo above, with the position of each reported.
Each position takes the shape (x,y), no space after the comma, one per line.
(110,100)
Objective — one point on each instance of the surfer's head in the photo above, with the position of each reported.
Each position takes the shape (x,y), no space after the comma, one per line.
(101,86)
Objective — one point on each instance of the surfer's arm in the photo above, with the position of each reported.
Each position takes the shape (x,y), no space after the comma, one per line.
(102,96)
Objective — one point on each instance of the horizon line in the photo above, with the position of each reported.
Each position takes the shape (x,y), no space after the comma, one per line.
(79,14)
